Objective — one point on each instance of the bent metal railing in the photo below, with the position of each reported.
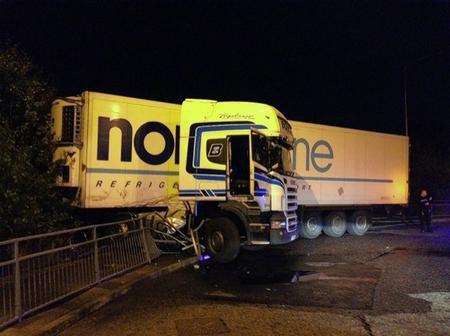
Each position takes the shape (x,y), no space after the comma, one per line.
(36,271)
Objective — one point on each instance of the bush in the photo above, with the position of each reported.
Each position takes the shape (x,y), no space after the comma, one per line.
(29,204)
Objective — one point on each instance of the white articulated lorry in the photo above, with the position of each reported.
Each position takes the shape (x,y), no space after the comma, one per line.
(254,177)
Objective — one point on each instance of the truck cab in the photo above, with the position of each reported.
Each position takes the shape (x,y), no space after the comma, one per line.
(235,164)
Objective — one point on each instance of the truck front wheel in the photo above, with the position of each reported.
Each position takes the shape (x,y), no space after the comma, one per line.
(335,224)
(222,239)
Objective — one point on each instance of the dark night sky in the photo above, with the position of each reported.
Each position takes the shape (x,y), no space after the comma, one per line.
(329,63)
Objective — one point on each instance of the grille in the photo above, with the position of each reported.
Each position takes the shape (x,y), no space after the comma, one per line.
(291,221)
(292,204)
(68,123)
(71,124)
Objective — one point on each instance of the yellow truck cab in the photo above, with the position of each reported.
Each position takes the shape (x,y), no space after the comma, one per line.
(236,165)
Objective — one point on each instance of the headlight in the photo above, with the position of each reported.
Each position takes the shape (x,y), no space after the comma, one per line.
(277,224)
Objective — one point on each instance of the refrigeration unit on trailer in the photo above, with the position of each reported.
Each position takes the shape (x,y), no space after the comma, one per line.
(231,159)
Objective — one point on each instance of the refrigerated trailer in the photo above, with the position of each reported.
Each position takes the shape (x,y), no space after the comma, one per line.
(254,177)
(342,173)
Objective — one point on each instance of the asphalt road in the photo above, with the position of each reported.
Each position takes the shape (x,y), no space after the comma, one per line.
(389,282)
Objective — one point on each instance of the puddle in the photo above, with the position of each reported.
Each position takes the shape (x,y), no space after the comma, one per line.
(290,281)
(267,269)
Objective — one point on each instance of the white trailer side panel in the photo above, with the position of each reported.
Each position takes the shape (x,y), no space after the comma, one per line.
(149,175)
(340,166)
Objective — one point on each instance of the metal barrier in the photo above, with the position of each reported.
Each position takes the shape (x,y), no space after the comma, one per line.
(36,271)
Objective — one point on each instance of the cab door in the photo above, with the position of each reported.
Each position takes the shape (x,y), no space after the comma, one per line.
(239,181)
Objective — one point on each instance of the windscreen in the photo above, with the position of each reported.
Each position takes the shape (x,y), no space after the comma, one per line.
(285,130)
(286,159)
(280,156)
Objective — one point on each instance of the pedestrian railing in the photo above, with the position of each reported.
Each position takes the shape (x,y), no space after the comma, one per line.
(39,270)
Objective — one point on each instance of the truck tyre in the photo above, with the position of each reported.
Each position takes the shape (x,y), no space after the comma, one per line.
(222,239)
(359,223)
(312,226)
(335,224)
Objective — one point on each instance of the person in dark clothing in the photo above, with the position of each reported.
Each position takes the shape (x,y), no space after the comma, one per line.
(425,208)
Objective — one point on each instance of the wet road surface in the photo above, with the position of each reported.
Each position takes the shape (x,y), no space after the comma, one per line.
(388,282)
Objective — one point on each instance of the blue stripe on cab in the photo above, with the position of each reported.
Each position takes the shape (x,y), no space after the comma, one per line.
(261,192)
(203,192)
(266,179)
(210,128)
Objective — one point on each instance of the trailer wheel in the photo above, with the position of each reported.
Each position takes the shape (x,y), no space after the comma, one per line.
(222,239)
(312,226)
(359,223)
(335,224)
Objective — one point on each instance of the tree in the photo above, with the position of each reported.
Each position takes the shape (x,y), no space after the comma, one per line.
(29,204)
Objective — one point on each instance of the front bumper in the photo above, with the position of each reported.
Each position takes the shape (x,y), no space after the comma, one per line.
(272,237)
(281,236)
(263,234)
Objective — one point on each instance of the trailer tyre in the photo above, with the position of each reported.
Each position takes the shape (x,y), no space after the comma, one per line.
(312,226)
(359,223)
(335,224)
(222,239)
